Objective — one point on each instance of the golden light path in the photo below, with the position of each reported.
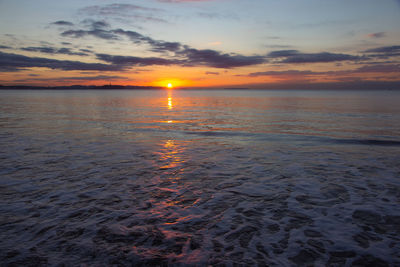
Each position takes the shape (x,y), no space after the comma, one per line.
(169,102)
(170,106)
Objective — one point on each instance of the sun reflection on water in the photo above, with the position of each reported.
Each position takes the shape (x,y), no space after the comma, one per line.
(170,155)
(170,106)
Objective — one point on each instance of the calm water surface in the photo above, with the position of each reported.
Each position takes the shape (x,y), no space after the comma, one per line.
(199,178)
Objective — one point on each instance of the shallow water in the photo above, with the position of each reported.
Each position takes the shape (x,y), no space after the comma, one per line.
(199,177)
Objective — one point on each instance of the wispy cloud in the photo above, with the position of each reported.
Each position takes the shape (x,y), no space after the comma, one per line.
(282,53)
(297,57)
(215,15)
(156,45)
(183,1)
(384,52)
(53,50)
(99,33)
(389,50)
(281,73)
(279,46)
(95,78)
(86,50)
(375,68)
(115,9)
(383,68)
(169,53)
(14,62)
(216,59)
(187,55)
(377,35)
(127,11)
(129,61)
(63,23)
(95,24)
(76,78)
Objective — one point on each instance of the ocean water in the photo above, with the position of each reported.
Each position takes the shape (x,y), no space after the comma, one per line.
(207,177)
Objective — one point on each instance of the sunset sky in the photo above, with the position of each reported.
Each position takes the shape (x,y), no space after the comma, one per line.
(200,43)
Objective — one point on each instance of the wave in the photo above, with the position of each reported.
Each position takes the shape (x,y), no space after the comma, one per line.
(369,142)
(302,138)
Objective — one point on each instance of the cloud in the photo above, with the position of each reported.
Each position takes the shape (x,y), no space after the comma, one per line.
(99,33)
(377,35)
(161,46)
(63,23)
(375,68)
(78,78)
(216,59)
(282,73)
(86,50)
(130,61)
(98,28)
(279,46)
(296,57)
(135,37)
(389,68)
(340,85)
(188,56)
(96,24)
(52,50)
(183,1)
(94,78)
(211,73)
(319,57)
(214,15)
(115,9)
(156,45)
(4,47)
(15,62)
(128,11)
(393,50)
(283,53)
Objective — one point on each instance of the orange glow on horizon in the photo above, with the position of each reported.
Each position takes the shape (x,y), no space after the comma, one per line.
(171,83)
(184,77)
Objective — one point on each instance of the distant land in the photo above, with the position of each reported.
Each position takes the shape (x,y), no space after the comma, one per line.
(75,87)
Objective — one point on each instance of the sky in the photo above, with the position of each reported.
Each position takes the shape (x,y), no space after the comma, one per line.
(201,43)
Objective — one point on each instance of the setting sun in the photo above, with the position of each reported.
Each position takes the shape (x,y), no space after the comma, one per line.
(169,85)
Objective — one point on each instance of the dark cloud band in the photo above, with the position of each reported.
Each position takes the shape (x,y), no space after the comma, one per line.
(13,62)
(296,57)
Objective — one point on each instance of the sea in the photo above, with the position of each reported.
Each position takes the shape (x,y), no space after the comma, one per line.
(199,178)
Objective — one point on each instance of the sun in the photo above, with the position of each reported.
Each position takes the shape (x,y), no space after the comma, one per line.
(169,85)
